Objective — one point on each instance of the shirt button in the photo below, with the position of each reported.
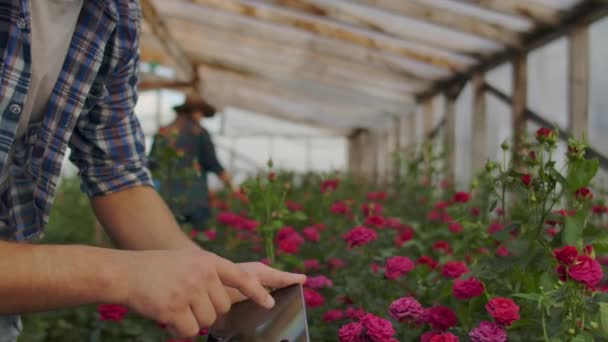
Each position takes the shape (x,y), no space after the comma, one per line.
(15,108)
(21,23)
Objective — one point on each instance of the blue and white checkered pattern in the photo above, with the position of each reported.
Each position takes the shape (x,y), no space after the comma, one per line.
(90,110)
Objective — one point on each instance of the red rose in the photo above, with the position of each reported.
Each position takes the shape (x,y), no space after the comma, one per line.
(351,332)
(532,155)
(293,206)
(461,197)
(455,227)
(312,234)
(454,269)
(291,244)
(445,337)
(467,289)
(371,208)
(583,194)
(526,179)
(376,221)
(377,196)
(599,209)
(340,208)
(360,236)
(313,298)
(441,318)
(405,235)
(354,313)
(329,185)
(333,315)
(211,234)
(488,332)
(318,282)
(112,312)
(442,246)
(312,265)
(565,255)
(544,134)
(407,310)
(502,251)
(495,227)
(377,329)
(335,263)
(503,310)
(475,212)
(427,260)
(586,270)
(588,250)
(398,266)
(426,337)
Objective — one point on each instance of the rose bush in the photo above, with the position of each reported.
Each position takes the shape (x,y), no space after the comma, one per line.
(516,256)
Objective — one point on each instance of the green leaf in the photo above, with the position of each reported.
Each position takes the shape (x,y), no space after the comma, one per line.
(573,231)
(529,296)
(583,337)
(558,176)
(581,172)
(604,319)
(601,245)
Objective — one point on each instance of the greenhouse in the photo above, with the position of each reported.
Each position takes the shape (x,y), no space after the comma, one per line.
(436,168)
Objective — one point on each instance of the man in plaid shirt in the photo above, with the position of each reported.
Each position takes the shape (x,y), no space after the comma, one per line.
(68,79)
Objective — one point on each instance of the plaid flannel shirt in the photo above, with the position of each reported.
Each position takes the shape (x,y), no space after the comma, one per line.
(90,110)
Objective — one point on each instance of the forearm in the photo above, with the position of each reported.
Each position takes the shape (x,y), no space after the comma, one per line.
(138,219)
(40,278)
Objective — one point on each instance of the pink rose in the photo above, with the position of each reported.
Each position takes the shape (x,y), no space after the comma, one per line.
(312,265)
(333,315)
(442,246)
(495,227)
(586,270)
(441,318)
(503,310)
(318,282)
(112,312)
(211,234)
(398,266)
(502,251)
(354,313)
(352,332)
(461,197)
(336,263)
(377,329)
(583,194)
(444,337)
(360,236)
(291,244)
(377,196)
(426,337)
(311,234)
(340,208)
(454,269)
(488,332)
(329,185)
(405,235)
(565,255)
(427,260)
(313,298)
(467,289)
(375,221)
(455,227)
(407,310)
(371,208)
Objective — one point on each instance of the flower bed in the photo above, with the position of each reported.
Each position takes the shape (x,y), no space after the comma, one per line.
(517,257)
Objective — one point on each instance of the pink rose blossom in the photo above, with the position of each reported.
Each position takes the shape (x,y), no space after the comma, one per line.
(407,310)
(565,255)
(586,270)
(360,236)
(488,332)
(377,329)
(398,266)
(313,298)
(311,234)
(318,282)
(333,315)
(467,289)
(455,227)
(441,318)
(454,269)
(503,310)
(112,312)
(351,332)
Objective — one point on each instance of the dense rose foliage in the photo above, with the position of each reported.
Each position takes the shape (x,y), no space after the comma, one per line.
(112,312)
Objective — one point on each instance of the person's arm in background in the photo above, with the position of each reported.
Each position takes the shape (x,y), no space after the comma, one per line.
(209,161)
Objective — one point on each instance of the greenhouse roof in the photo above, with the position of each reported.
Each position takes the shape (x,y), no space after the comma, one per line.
(342,63)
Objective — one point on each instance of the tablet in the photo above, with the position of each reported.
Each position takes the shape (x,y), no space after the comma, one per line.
(249,322)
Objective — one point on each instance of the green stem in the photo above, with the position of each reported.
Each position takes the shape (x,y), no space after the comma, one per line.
(545,335)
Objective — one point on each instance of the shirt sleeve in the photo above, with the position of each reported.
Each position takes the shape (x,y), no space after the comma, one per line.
(207,156)
(108,144)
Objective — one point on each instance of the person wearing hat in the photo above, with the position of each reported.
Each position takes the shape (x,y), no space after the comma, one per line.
(188,194)
(68,85)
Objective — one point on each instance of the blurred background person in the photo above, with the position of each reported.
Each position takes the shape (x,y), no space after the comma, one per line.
(188,192)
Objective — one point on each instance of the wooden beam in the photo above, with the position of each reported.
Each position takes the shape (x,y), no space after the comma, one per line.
(523,8)
(157,25)
(579,81)
(362,154)
(520,103)
(392,24)
(542,122)
(449,19)
(479,141)
(586,12)
(152,84)
(341,32)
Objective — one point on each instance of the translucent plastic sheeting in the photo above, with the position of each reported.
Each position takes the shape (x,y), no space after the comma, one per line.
(598,109)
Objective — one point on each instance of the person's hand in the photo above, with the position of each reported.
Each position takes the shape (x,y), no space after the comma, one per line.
(187,289)
(268,277)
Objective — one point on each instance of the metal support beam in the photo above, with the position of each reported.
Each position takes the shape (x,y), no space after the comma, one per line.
(479,141)
(579,77)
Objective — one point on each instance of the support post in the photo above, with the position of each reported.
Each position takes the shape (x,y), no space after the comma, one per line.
(520,102)
(412,129)
(449,137)
(579,74)
(429,116)
(479,141)
(362,154)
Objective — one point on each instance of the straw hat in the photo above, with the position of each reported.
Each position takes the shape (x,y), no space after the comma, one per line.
(195,102)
